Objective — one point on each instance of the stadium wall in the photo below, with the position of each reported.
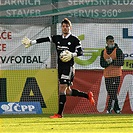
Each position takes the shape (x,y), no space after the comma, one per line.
(40,85)
(93,80)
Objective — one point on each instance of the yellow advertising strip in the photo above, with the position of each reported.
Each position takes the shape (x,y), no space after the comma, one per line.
(45,84)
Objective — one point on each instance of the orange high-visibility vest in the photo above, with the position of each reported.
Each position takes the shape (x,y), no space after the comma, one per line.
(111,70)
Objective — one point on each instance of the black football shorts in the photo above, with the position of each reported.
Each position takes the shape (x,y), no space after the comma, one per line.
(66,75)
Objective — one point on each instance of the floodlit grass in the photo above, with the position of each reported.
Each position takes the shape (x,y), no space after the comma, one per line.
(69,124)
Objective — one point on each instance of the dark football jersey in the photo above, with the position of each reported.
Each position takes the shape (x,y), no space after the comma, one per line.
(70,43)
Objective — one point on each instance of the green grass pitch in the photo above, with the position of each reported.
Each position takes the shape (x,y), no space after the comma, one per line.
(71,123)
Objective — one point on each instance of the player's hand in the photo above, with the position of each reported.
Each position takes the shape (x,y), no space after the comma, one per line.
(67,57)
(109,60)
(26,41)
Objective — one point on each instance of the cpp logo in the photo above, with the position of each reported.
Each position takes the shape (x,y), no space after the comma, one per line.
(11,107)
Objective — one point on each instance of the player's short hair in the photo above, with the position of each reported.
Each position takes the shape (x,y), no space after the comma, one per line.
(66,21)
(109,37)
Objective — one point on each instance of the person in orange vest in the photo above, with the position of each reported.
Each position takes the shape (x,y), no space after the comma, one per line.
(112,60)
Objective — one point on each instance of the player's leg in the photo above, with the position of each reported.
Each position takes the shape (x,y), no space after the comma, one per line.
(108,83)
(116,108)
(62,98)
(116,85)
(113,94)
(62,101)
(75,92)
(64,77)
(112,87)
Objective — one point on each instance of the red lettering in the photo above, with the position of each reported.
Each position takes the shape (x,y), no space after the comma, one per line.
(9,35)
(2,47)
(5,35)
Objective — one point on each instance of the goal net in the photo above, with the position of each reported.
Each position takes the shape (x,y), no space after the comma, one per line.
(92,21)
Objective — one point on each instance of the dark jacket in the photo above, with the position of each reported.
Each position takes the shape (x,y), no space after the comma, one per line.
(119,54)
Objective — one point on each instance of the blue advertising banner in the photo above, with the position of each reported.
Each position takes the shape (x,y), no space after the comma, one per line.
(20,108)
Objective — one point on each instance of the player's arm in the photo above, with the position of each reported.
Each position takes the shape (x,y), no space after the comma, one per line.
(103,62)
(28,42)
(120,58)
(78,49)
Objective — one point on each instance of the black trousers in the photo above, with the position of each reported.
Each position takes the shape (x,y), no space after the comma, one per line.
(112,85)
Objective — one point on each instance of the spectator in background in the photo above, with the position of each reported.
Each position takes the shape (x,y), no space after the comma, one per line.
(112,58)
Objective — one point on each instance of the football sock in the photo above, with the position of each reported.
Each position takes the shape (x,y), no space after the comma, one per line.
(79,93)
(62,101)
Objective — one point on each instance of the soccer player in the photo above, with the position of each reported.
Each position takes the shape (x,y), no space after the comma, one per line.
(112,58)
(72,45)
